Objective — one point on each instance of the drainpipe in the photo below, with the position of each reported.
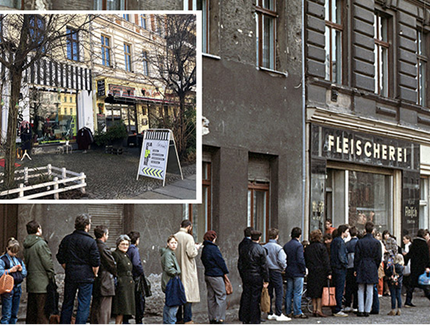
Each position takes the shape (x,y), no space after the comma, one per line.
(303,121)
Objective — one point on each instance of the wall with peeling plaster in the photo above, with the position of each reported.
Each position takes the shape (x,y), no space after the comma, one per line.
(252,113)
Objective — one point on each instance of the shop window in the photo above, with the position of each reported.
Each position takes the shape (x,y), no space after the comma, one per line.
(143,21)
(200,214)
(266,33)
(382,53)
(72,44)
(424,203)
(422,67)
(355,197)
(110,4)
(145,63)
(333,40)
(50,125)
(127,57)
(106,50)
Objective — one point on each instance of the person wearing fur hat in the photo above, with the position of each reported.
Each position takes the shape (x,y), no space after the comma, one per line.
(215,268)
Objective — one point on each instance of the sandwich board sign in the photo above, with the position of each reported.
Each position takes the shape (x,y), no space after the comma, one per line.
(159,155)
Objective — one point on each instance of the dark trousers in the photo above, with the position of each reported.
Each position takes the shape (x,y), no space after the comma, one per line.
(249,311)
(412,285)
(276,283)
(139,300)
(339,277)
(351,289)
(84,299)
(36,309)
(396,295)
(375,303)
(185,313)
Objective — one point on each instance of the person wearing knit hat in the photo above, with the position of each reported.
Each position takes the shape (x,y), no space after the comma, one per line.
(215,268)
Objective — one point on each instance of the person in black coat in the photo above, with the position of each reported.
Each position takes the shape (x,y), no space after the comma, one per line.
(79,256)
(255,275)
(367,257)
(244,243)
(319,271)
(215,268)
(420,262)
(104,284)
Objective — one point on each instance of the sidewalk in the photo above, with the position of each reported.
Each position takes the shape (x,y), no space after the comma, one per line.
(180,190)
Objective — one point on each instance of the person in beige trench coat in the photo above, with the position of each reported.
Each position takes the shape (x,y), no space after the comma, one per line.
(186,252)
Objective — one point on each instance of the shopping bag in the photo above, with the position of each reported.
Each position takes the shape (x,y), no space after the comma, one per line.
(424,279)
(6,283)
(329,297)
(265,300)
(228,286)
(175,292)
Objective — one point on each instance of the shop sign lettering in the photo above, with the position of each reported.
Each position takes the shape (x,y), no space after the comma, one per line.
(369,149)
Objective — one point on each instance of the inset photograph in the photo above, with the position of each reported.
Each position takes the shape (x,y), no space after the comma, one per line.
(98,106)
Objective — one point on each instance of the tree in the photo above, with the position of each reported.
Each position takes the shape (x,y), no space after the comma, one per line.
(174,66)
(25,40)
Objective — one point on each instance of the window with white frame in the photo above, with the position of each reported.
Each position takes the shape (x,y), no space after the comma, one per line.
(17,4)
(266,16)
(127,57)
(382,47)
(422,67)
(333,40)
(143,21)
(145,63)
(106,50)
(72,44)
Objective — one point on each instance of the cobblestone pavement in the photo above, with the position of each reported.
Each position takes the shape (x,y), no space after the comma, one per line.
(108,176)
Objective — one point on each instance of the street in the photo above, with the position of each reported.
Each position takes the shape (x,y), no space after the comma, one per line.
(108,176)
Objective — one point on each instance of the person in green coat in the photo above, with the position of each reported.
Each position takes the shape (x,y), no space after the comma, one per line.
(170,269)
(40,268)
(123,301)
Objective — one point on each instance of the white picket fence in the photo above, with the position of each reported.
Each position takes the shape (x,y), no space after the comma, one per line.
(57,175)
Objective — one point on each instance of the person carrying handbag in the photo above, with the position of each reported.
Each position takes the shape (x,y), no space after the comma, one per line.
(16,268)
(171,270)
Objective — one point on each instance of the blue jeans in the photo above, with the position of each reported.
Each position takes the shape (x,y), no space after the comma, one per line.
(10,306)
(85,291)
(169,314)
(375,303)
(339,277)
(275,283)
(396,295)
(186,311)
(294,293)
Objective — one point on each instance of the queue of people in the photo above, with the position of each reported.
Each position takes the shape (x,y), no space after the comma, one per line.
(112,283)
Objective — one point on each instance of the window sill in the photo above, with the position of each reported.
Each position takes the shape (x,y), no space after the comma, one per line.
(275,73)
(211,56)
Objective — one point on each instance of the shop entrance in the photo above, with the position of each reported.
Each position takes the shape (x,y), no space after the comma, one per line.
(126,113)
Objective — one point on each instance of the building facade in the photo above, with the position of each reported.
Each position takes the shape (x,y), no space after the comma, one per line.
(93,4)
(367,117)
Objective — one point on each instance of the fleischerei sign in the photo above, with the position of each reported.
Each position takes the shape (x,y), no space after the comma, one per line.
(358,147)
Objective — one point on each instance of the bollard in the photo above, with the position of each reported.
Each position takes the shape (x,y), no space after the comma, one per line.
(83,182)
(25,175)
(63,173)
(21,193)
(56,195)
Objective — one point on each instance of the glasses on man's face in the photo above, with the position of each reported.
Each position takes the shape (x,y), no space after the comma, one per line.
(124,244)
